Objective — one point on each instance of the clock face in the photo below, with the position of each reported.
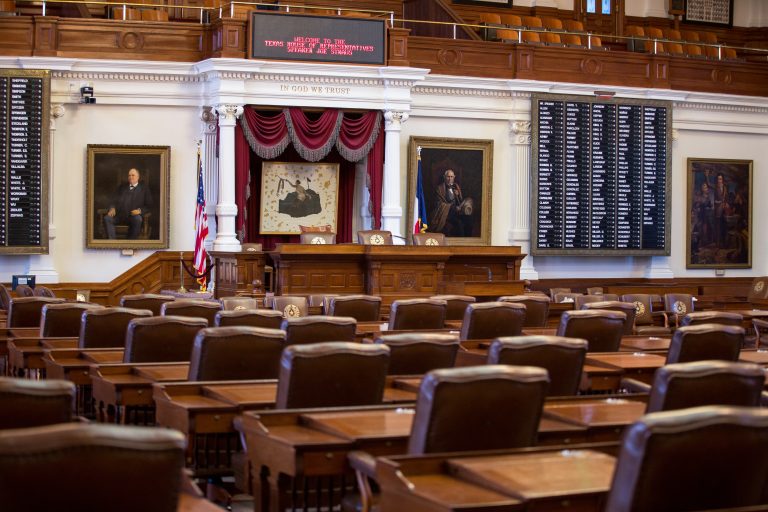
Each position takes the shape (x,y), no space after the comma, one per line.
(431,241)
(639,308)
(318,240)
(377,240)
(291,311)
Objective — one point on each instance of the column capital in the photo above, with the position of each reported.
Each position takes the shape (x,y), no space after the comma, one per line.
(208,117)
(520,133)
(228,114)
(57,111)
(393,119)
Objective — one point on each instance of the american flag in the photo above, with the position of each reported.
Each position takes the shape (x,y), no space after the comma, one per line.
(201,227)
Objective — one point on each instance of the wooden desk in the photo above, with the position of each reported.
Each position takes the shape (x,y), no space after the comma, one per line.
(236,271)
(538,479)
(641,343)
(638,365)
(7,333)
(25,354)
(289,448)
(604,419)
(754,356)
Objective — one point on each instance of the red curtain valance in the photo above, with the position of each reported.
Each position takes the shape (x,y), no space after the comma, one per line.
(355,136)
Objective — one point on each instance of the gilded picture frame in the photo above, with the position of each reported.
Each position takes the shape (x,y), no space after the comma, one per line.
(719,213)
(468,220)
(139,214)
(296,195)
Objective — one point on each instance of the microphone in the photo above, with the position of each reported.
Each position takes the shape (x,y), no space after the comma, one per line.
(487,269)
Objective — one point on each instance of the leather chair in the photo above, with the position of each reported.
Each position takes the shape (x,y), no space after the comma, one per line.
(580,300)
(677,305)
(22,290)
(291,307)
(758,290)
(317,238)
(238,303)
(595,290)
(363,308)
(265,318)
(562,357)
(192,307)
(555,291)
(703,458)
(332,375)
(536,308)
(761,331)
(43,291)
(318,328)
(433,239)
(705,342)
(151,301)
(684,385)
(63,319)
(412,314)
(627,308)
(31,403)
(487,320)
(712,317)
(236,353)
(601,328)
(567,297)
(374,237)
(27,311)
(160,339)
(610,297)
(418,353)
(646,319)
(91,467)
(106,328)
(5,298)
(455,305)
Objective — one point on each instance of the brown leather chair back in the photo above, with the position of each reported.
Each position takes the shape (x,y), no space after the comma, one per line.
(374,237)
(478,408)
(643,307)
(580,300)
(487,320)
(160,339)
(151,301)
(332,375)
(417,314)
(418,353)
(192,307)
(27,311)
(319,328)
(567,297)
(555,291)
(563,358)
(238,303)
(595,290)
(684,385)
(317,238)
(265,318)
(705,342)
(758,290)
(363,308)
(43,291)
(63,319)
(23,290)
(456,305)
(536,308)
(5,298)
(291,307)
(678,303)
(236,353)
(31,403)
(628,308)
(703,458)
(601,328)
(106,328)
(433,239)
(712,317)
(91,467)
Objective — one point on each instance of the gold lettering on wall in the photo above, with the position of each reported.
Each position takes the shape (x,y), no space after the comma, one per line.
(317,90)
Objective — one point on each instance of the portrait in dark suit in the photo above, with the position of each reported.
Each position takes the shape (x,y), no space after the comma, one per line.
(128,197)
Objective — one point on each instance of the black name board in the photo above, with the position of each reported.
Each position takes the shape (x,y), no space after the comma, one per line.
(24,106)
(600,176)
(317,38)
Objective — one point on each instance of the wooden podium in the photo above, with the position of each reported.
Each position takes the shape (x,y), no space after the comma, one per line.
(483,289)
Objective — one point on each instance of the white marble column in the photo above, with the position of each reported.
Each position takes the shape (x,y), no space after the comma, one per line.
(361,218)
(226,209)
(210,170)
(520,140)
(392,210)
(42,266)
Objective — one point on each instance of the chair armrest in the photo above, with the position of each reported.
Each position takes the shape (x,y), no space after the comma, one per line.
(664,315)
(635,386)
(363,462)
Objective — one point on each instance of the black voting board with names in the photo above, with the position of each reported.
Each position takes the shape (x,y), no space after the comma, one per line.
(600,176)
(24,107)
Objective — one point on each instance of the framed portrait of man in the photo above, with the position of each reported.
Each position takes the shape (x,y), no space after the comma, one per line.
(449,188)
(298,194)
(128,197)
(719,228)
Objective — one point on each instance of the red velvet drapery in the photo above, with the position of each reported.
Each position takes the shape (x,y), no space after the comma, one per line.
(354,137)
